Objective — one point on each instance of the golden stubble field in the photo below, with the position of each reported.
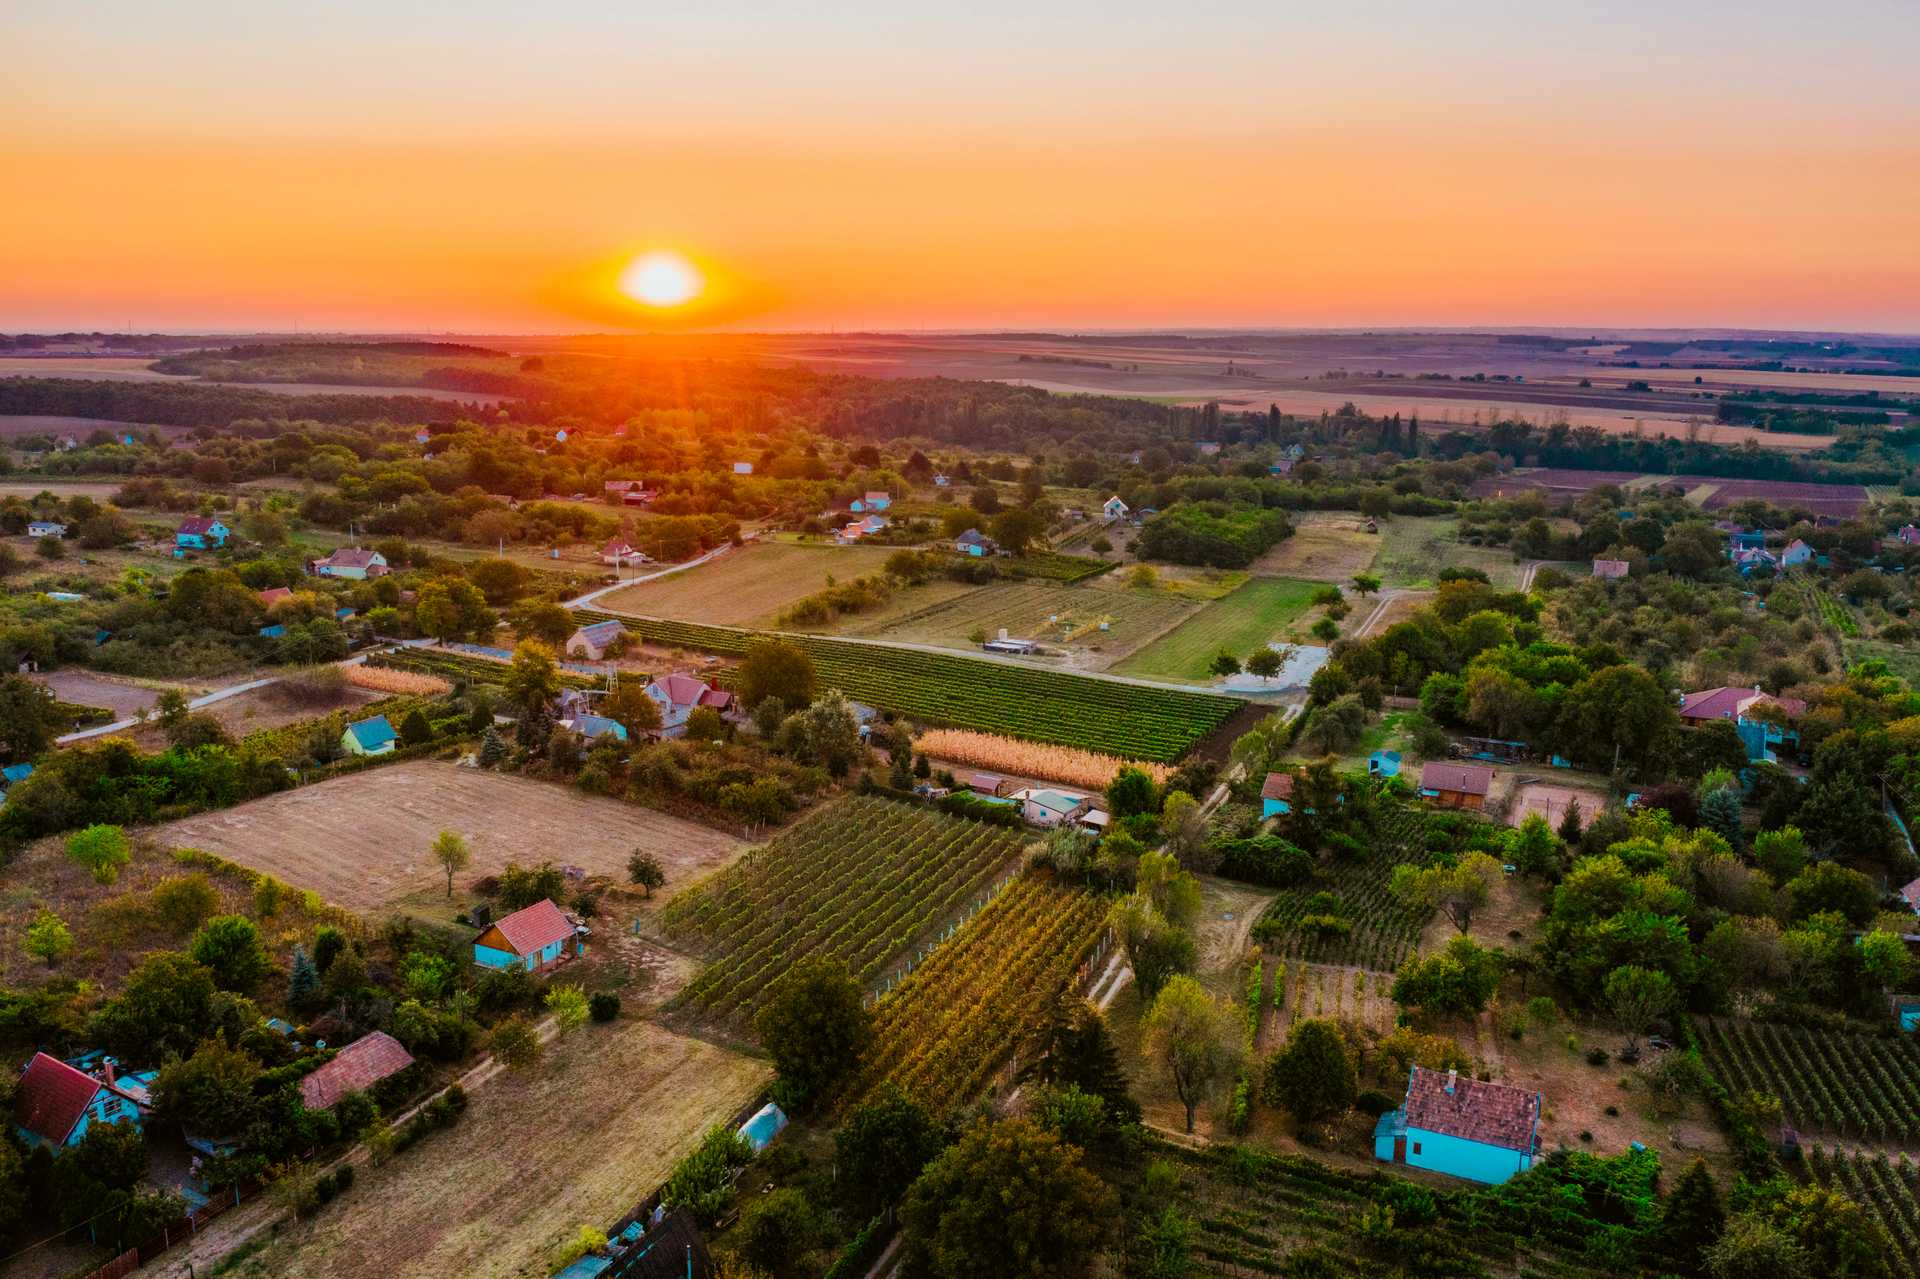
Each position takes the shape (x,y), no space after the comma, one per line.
(577,1141)
(361,841)
(749,584)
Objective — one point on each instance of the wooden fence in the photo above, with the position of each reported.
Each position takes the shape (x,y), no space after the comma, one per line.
(176,1231)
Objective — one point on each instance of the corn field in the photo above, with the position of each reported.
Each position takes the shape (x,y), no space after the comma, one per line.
(1067,764)
(383,679)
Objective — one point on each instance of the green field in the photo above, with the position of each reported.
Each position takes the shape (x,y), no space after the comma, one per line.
(1044,611)
(1240,623)
(969,692)
(1414,548)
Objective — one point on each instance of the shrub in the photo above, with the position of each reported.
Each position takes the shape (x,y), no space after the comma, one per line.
(603,1006)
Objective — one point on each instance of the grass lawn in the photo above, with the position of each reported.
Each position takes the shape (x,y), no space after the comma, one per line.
(1044,611)
(749,584)
(1260,611)
(1414,548)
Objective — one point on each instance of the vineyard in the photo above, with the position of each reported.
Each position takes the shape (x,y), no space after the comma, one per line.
(858,881)
(943,1031)
(1346,914)
(1888,1190)
(1133,721)
(1255,1212)
(1030,759)
(1880,1095)
(291,743)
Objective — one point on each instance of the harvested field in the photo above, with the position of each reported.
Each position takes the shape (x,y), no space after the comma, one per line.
(88,689)
(1069,616)
(14,426)
(1325,547)
(361,840)
(1843,500)
(1261,611)
(749,584)
(596,1127)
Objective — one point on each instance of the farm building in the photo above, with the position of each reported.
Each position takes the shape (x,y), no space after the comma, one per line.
(355,1068)
(974,542)
(1276,795)
(355,563)
(1049,807)
(987,785)
(534,938)
(1114,509)
(46,528)
(275,595)
(1910,894)
(201,532)
(592,642)
(1758,734)
(55,1102)
(1749,560)
(1456,785)
(1745,539)
(1468,1128)
(369,737)
(678,696)
(664,1245)
(1383,764)
(1611,568)
(1006,644)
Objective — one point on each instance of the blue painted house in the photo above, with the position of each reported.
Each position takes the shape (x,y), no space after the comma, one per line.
(1759,735)
(875,501)
(1467,1128)
(1276,795)
(975,543)
(369,737)
(1383,764)
(535,937)
(594,727)
(201,533)
(55,1103)
(1797,555)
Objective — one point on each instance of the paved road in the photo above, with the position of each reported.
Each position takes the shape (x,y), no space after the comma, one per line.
(593,595)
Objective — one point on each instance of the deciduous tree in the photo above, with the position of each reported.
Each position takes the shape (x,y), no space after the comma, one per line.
(1193,1041)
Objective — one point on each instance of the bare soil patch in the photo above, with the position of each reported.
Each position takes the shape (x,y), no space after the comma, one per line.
(361,841)
(1325,547)
(578,1141)
(88,689)
(748,584)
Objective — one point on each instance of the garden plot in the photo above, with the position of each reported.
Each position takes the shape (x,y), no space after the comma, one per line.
(361,840)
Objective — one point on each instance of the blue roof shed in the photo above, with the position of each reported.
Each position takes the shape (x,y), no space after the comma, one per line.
(371,736)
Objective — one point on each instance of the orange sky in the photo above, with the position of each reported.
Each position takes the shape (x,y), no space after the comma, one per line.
(1231,170)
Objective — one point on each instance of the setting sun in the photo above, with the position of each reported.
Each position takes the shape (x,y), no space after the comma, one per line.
(660,279)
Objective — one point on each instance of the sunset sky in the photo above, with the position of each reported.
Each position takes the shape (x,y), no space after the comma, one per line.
(491,167)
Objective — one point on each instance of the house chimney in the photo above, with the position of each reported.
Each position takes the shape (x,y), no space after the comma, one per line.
(1453,1080)
(106,1068)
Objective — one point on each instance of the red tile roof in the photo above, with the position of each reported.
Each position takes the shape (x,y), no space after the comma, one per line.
(1277,786)
(1493,1114)
(532,928)
(683,690)
(351,557)
(355,1068)
(718,698)
(273,595)
(1731,703)
(1466,779)
(52,1097)
(198,524)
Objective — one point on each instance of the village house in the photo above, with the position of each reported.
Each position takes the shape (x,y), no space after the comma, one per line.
(1276,795)
(275,595)
(618,551)
(679,696)
(1796,554)
(55,1103)
(1469,1128)
(1757,734)
(46,528)
(1908,535)
(975,543)
(1744,539)
(594,641)
(872,501)
(941,481)
(1046,806)
(1451,785)
(1383,764)
(1114,509)
(1749,560)
(357,1067)
(369,737)
(200,533)
(356,563)
(534,937)
(1611,568)
(594,727)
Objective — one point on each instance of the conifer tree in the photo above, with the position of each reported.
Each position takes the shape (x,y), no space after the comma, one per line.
(303,983)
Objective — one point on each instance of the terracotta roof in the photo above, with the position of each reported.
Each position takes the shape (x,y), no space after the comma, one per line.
(877,495)
(718,698)
(1730,703)
(1467,779)
(351,557)
(273,595)
(198,524)
(1277,786)
(1493,1114)
(533,928)
(683,690)
(52,1097)
(355,1068)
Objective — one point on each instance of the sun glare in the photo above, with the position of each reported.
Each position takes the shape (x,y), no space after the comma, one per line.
(660,279)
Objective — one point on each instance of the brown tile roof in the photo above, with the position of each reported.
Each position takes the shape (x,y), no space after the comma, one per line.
(1494,1114)
(198,524)
(1277,786)
(52,1097)
(351,557)
(1731,703)
(1466,779)
(355,1068)
(532,928)
(274,594)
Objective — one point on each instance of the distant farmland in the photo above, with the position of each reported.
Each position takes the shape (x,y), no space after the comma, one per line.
(1840,500)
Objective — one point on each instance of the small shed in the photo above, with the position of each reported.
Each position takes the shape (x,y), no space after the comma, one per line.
(1384,764)
(1276,795)
(975,543)
(369,737)
(534,938)
(767,1123)
(1114,509)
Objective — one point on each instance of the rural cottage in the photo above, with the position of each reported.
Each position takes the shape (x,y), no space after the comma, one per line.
(535,937)
(355,1068)
(369,737)
(54,1103)
(595,641)
(355,563)
(1456,785)
(200,532)
(1463,1127)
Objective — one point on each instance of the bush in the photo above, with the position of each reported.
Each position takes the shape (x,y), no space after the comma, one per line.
(1596,1056)
(603,1006)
